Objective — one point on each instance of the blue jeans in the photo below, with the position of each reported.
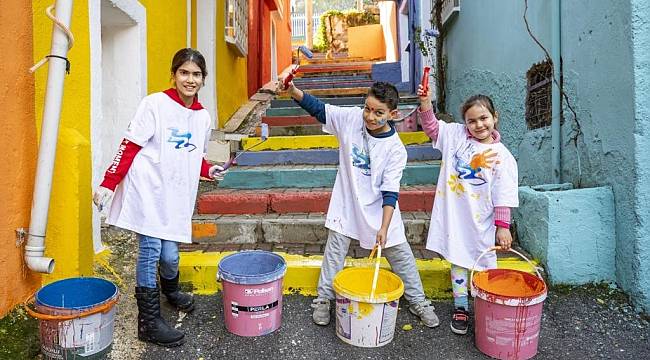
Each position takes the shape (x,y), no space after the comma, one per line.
(152,250)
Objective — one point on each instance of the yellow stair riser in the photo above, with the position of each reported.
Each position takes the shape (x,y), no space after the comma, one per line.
(200,269)
(316,141)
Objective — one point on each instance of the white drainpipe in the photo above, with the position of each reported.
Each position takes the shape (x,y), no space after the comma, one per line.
(35,246)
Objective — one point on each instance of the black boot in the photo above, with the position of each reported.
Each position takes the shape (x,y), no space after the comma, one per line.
(180,300)
(151,326)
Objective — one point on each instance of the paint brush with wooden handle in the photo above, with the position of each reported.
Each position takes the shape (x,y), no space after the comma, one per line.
(376,274)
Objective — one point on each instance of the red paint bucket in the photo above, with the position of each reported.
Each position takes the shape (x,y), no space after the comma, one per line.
(252,291)
(507,311)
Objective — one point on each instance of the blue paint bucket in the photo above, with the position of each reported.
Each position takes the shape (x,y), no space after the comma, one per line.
(76,318)
(252,292)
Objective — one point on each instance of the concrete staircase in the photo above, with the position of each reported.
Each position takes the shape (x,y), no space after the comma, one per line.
(276,198)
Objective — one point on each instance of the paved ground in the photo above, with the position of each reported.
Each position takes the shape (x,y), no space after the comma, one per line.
(575,325)
(578,323)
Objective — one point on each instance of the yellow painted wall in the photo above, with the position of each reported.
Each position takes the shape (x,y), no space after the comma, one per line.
(69,229)
(366,42)
(18,165)
(231,73)
(166,34)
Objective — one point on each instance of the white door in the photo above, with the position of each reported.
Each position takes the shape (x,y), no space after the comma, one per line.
(118,80)
(206,32)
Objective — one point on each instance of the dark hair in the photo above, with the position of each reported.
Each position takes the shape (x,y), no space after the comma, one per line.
(385,93)
(188,54)
(479,99)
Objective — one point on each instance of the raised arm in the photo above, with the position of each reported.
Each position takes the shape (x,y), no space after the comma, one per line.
(427,117)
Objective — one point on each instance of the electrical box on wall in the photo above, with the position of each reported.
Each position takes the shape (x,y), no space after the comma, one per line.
(449,9)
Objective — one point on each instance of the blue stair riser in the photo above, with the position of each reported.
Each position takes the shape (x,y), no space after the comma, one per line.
(311,80)
(354,100)
(242,178)
(322,156)
(297,110)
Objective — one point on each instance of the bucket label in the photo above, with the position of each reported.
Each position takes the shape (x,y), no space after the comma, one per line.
(344,323)
(256,291)
(388,322)
(236,308)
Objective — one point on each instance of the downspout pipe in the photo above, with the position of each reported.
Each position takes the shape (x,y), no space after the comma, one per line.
(556,98)
(35,247)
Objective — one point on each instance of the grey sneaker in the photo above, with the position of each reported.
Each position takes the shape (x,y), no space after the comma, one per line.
(321,314)
(424,311)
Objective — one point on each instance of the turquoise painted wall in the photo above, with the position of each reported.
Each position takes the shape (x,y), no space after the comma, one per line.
(605,65)
(640,26)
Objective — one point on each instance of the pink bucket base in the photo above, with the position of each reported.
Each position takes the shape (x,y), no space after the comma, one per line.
(252,310)
(507,332)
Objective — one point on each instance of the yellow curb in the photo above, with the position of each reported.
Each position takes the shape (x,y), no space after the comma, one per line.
(200,269)
(317,141)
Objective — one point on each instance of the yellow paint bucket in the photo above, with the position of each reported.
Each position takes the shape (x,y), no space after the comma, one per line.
(361,320)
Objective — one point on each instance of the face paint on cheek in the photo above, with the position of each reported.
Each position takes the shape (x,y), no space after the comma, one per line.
(382,122)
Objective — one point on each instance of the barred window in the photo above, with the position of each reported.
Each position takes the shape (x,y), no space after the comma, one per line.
(538,95)
(236,29)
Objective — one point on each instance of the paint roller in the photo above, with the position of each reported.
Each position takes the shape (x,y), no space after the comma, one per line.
(305,51)
(264,135)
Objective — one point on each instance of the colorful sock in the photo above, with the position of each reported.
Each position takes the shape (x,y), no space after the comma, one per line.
(459,276)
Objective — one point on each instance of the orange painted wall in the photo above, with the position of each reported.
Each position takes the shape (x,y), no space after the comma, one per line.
(284,38)
(366,42)
(259,42)
(19,158)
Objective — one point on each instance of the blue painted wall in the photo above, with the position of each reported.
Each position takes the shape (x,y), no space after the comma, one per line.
(605,65)
(640,25)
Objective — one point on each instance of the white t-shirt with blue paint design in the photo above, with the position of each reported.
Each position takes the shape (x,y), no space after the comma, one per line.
(158,194)
(355,209)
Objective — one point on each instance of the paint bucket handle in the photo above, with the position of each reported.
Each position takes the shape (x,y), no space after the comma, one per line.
(495,248)
(375,249)
(103,308)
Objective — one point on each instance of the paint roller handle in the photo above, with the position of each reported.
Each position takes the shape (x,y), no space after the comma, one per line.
(495,248)
(229,163)
(289,77)
(425,79)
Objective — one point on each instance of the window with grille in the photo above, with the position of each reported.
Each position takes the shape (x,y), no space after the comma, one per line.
(538,95)
(236,29)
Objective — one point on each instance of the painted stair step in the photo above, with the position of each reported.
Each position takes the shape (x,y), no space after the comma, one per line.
(199,267)
(289,120)
(297,110)
(319,176)
(318,141)
(338,67)
(352,100)
(321,156)
(296,130)
(286,228)
(290,201)
(331,78)
(337,85)
(324,93)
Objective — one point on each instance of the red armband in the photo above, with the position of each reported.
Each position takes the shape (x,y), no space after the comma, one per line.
(121,164)
(205,168)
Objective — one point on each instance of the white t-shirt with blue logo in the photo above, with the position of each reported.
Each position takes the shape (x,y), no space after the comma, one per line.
(474,178)
(158,194)
(355,208)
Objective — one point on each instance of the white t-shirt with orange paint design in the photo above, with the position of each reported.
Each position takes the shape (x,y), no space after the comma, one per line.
(474,179)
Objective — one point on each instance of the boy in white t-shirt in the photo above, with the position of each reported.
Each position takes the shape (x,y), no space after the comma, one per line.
(364,205)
